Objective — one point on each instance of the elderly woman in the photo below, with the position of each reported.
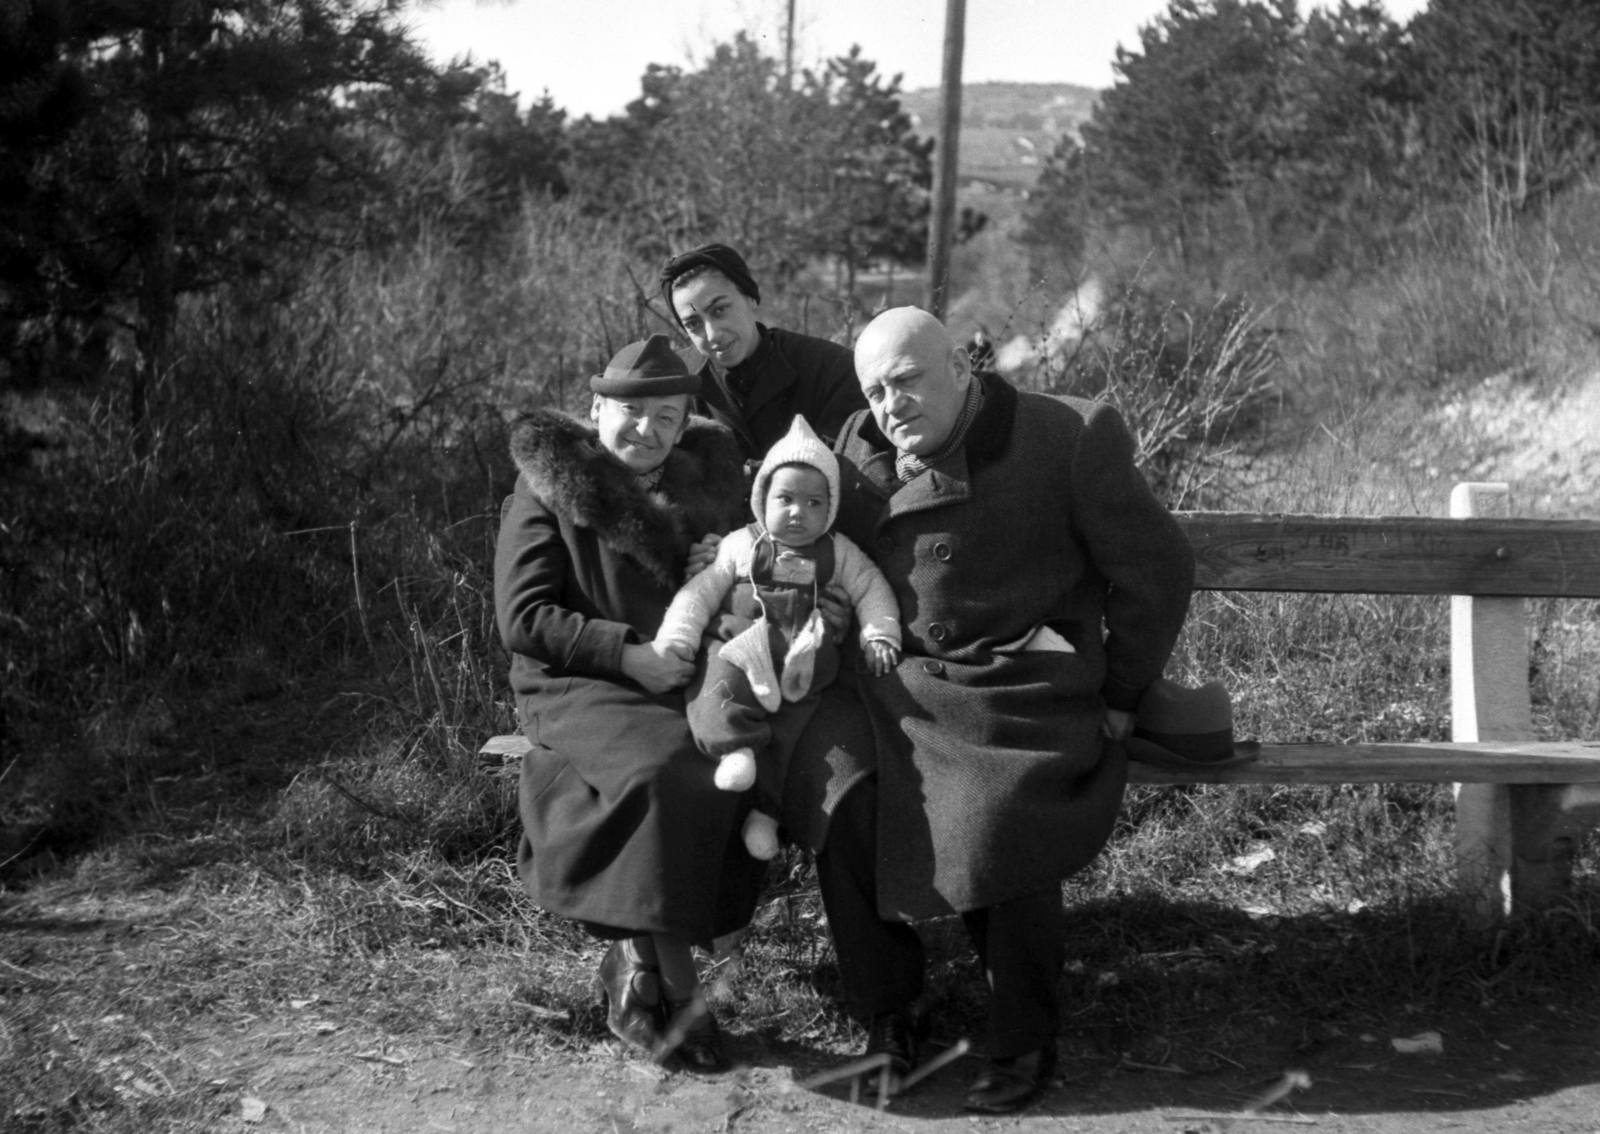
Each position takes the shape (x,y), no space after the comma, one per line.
(622,827)
(755,378)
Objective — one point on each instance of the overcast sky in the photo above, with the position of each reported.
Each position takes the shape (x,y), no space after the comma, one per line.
(589,54)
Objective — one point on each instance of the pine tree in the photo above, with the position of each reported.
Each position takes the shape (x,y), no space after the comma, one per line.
(210,142)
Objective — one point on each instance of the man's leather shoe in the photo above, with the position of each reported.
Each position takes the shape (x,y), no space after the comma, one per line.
(1007,1085)
(693,1038)
(633,998)
(895,1035)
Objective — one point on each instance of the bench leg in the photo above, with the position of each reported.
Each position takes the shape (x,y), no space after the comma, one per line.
(1488,701)
(1483,847)
(1515,843)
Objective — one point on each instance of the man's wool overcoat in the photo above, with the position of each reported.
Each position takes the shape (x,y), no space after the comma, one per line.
(622,825)
(994,779)
(788,374)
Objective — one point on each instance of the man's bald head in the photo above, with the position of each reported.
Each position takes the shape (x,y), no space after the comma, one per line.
(899,327)
(914,377)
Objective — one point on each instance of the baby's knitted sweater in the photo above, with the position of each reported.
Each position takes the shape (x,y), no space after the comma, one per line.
(698,600)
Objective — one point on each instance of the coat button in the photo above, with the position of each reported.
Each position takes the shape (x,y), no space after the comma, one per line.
(938,632)
(885,545)
(941,552)
(933,667)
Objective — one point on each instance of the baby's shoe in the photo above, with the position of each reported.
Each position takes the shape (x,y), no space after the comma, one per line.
(761,835)
(736,771)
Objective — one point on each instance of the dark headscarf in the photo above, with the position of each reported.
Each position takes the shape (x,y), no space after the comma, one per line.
(717,256)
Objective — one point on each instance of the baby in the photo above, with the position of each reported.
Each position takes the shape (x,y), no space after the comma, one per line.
(769,656)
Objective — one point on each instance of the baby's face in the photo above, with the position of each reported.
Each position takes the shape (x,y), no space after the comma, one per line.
(797,505)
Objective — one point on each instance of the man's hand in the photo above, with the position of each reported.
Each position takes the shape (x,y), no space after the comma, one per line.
(658,672)
(701,556)
(1118,724)
(882,657)
(834,602)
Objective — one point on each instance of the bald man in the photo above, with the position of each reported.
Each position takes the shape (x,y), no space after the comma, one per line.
(1041,587)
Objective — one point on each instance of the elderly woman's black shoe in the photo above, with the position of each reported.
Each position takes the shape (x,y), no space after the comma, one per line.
(633,998)
(693,1039)
(1005,1086)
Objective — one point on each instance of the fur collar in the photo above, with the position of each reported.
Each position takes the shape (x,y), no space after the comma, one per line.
(701,488)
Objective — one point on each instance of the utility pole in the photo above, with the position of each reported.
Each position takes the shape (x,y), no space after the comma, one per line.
(788,51)
(942,218)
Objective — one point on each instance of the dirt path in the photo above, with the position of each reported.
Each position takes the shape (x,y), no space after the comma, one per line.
(113,1021)
(342,1086)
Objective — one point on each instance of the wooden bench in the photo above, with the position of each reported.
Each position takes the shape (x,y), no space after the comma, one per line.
(1522,806)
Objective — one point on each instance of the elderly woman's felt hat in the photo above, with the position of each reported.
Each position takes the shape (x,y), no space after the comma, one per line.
(645,369)
(1180,727)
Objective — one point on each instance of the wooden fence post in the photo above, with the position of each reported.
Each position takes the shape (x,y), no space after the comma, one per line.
(1488,701)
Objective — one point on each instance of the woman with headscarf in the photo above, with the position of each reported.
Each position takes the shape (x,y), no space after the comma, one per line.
(623,828)
(755,378)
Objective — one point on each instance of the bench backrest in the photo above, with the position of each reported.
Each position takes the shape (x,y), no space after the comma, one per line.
(1489,562)
(1408,555)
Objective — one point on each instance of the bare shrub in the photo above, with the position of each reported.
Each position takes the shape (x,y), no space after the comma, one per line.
(1188,386)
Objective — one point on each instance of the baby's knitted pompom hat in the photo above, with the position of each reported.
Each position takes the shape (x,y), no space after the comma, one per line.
(800,446)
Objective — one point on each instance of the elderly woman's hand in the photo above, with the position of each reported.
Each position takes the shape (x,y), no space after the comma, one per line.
(701,555)
(658,673)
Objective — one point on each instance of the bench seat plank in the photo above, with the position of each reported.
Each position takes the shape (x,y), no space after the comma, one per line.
(1530,762)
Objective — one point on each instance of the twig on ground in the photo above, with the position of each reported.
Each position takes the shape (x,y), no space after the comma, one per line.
(679,1029)
(949,1055)
(1224,1119)
(377,1057)
(855,1067)
(32,976)
(1292,1080)
(541,1011)
(393,817)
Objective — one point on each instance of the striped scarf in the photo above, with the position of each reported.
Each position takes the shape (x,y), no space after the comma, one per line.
(908,466)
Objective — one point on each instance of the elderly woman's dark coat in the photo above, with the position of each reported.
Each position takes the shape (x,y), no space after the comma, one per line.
(787,374)
(622,825)
(994,780)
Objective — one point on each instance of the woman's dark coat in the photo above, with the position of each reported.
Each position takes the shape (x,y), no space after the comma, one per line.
(622,826)
(993,777)
(788,374)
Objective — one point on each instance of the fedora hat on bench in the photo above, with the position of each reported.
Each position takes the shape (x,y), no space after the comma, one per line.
(1180,727)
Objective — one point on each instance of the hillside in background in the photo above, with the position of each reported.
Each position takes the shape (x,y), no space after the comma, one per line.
(1007,129)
